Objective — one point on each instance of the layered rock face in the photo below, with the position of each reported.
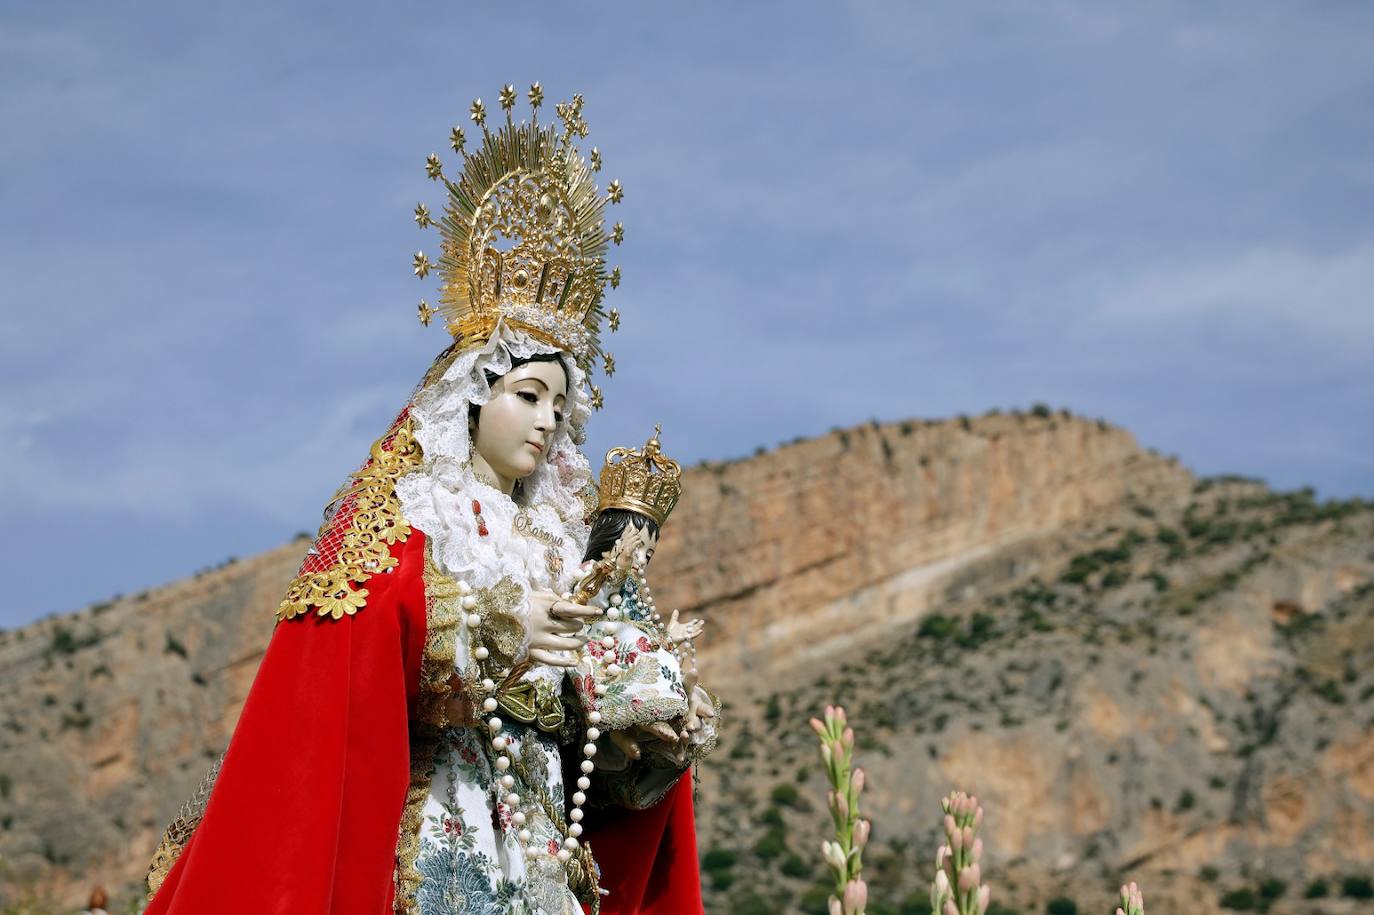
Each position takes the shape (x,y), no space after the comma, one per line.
(905,569)
(792,555)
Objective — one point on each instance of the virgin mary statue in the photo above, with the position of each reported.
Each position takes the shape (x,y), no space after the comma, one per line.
(404,744)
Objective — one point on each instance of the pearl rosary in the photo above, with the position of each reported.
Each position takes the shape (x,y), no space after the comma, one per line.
(501,745)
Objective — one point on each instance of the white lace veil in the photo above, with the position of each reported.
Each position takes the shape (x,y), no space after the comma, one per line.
(437,496)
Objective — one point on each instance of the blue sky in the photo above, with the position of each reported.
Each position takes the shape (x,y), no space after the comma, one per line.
(1158,214)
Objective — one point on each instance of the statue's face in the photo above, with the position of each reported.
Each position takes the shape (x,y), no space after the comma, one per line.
(515,427)
(637,544)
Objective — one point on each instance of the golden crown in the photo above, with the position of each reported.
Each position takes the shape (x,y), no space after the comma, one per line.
(644,481)
(523,238)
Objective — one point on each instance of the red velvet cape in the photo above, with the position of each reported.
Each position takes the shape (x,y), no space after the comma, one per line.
(305,812)
(648,858)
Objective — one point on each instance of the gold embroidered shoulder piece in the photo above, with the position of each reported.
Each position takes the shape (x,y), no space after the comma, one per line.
(355,540)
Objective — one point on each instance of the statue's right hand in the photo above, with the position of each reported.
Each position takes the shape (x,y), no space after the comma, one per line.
(556,628)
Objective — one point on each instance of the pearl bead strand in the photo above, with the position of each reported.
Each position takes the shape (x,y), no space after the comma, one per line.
(501,746)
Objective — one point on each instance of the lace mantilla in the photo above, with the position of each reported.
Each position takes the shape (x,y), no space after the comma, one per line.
(437,495)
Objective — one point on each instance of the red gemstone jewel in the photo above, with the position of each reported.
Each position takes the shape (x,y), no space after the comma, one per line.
(476,507)
(481,528)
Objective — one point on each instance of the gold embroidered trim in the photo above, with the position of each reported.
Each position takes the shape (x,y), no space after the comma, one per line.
(424,741)
(503,632)
(443,612)
(178,832)
(371,523)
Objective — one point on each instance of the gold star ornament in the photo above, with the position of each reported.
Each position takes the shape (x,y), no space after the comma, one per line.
(597,400)
(433,167)
(426,313)
(421,264)
(422,217)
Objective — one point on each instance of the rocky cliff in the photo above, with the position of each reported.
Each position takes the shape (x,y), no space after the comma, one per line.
(1133,668)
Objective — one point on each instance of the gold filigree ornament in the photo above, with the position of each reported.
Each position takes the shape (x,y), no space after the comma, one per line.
(355,541)
(641,480)
(523,239)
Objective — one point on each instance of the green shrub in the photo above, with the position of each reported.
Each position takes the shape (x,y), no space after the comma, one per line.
(718,859)
(1357,887)
(795,866)
(1061,905)
(1186,801)
(980,629)
(1272,888)
(816,899)
(1317,889)
(1241,900)
(771,844)
(785,794)
(936,626)
(750,903)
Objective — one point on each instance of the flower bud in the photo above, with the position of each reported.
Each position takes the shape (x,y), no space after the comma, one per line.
(984,897)
(855,897)
(861,830)
(950,908)
(818,727)
(941,882)
(977,849)
(835,907)
(978,818)
(956,840)
(858,781)
(951,830)
(967,835)
(833,855)
(847,738)
(940,856)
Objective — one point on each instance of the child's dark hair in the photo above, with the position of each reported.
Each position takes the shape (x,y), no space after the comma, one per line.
(608,527)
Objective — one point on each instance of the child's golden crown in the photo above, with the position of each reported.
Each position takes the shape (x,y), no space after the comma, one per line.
(644,481)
